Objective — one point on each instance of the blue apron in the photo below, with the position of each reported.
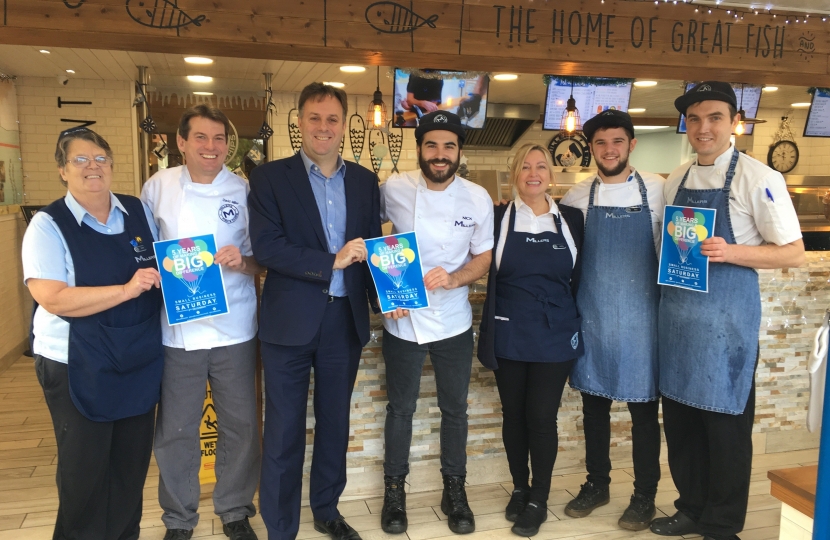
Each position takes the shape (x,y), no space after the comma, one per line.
(115,356)
(618,299)
(709,341)
(536,316)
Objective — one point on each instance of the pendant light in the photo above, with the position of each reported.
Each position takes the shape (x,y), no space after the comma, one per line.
(376,115)
(570,116)
(740,129)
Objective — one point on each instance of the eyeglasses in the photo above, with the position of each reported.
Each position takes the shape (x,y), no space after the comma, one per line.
(82,161)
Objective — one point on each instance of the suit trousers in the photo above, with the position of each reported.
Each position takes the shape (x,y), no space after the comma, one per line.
(101,465)
(334,355)
(710,457)
(231,371)
(645,439)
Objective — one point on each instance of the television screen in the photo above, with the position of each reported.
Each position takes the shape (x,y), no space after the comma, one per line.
(416,96)
(751,101)
(591,99)
(818,119)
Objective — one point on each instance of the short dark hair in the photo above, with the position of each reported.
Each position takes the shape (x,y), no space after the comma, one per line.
(418,142)
(732,111)
(79,133)
(318,91)
(202,111)
(627,132)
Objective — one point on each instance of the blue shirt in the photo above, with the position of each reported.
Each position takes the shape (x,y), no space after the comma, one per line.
(330,195)
(46,256)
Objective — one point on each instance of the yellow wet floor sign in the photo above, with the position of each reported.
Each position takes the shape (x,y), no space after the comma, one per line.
(207,439)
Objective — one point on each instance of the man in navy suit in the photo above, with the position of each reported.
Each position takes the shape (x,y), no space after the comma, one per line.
(309,215)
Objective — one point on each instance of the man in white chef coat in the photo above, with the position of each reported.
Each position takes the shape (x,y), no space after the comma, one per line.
(204,197)
(453,221)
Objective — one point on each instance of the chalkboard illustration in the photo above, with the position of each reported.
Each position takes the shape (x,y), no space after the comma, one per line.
(76,5)
(357,135)
(806,45)
(294,135)
(393,18)
(395,145)
(164,14)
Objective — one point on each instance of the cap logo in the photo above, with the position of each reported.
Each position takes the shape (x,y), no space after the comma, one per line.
(440,119)
(608,113)
(705,88)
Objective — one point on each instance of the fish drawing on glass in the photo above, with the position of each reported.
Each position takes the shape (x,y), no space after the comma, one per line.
(164,14)
(393,18)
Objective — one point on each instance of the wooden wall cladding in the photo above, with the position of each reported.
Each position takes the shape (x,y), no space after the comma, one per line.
(615,38)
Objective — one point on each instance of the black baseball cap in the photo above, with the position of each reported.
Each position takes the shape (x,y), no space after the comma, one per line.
(707,91)
(611,118)
(444,120)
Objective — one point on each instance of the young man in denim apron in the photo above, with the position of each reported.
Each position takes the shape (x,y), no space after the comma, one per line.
(708,342)
(623,212)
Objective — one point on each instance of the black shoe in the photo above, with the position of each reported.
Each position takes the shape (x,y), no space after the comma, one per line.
(338,529)
(590,496)
(239,530)
(454,505)
(677,525)
(178,534)
(528,522)
(518,501)
(393,514)
(639,513)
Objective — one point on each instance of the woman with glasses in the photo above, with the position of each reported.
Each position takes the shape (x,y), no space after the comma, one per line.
(96,336)
(530,328)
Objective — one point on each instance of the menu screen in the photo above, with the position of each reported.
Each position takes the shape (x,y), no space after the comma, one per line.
(750,103)
(591,99)
(818,119)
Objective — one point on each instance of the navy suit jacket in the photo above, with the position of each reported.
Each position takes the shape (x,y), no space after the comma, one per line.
(486,341)
(287,237)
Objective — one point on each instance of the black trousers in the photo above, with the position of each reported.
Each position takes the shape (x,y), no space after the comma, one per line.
(645,438)
(710,457)
(101,465)
(530,395)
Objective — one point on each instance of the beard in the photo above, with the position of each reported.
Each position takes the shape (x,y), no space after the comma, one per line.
(441,177)
(622,166)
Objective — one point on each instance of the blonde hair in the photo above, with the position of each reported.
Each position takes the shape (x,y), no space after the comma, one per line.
(519,160)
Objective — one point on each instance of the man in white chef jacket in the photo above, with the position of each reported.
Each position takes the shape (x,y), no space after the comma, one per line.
(203,197)
(453,221)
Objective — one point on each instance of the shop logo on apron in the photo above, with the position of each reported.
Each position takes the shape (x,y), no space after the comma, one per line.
(228,213)
(575,341)
(138,246)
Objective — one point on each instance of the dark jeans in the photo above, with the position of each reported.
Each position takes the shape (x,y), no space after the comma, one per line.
(101,465)
(530,394)
(452,359)
(710,457)
(645,438)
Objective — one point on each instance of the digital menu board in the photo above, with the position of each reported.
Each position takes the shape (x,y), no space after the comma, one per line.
(416,96)
(750,103)
(818,119)
(591,99)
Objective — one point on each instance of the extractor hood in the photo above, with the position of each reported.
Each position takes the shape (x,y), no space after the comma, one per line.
(505,125)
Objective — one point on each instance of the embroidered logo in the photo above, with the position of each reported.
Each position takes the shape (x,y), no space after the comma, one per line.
(575,340)
(609,112)
(537,241)
(699,201)
(228,213)
(138,247)
(615,216)
(463,222)
(440,119)
(705,88)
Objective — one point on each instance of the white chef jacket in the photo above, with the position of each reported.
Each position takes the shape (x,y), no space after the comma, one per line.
(758,217)
(452,226)
(622,195)
(528,222)
(182,208)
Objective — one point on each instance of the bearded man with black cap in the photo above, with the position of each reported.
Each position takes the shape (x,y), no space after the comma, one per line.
(708,342)
(623,212)
(453,219)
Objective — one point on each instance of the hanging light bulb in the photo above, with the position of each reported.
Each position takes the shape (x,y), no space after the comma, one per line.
(377,109)
(740,129)
(570,116)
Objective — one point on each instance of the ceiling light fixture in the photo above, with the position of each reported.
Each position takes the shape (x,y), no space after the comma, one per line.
(199,60)
(570,116)
(770,89)
(636,110)
(70,71)
(334,84)
(44,51)
(202,93)
(506,77)
(199,78)
(377,109)
(649,128)
(645,84)
(800,104)
(352,69)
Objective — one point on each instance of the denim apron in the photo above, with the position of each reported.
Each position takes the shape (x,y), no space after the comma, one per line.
(709,341)
(115,356)
(618,299)
(536,315)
